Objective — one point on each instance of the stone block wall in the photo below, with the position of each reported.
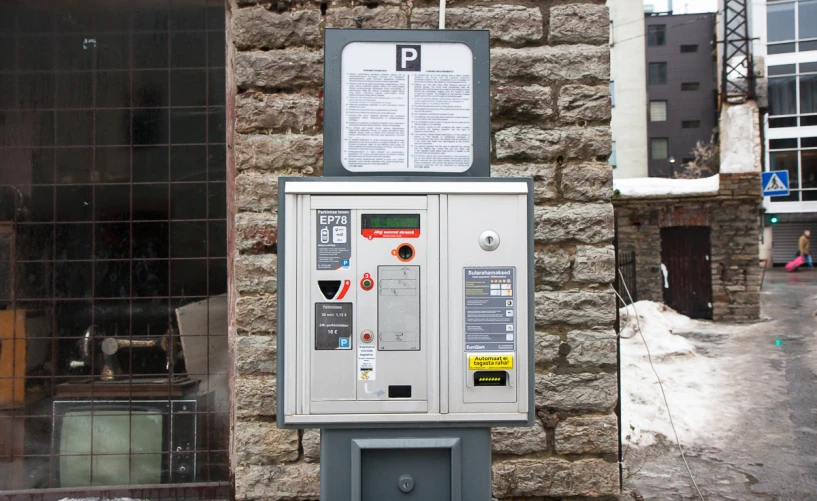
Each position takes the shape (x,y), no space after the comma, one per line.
(734,218)
(551,112)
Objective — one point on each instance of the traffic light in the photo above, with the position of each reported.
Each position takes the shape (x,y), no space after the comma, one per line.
(772,219)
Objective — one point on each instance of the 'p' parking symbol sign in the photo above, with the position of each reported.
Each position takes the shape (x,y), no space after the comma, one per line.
(408,58)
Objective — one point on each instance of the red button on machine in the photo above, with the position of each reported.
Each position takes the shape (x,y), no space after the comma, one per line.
(366,336)
(366,283)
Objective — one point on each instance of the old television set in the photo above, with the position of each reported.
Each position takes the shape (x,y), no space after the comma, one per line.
(118,442)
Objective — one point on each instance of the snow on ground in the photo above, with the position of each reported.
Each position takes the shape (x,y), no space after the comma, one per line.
(692,381)
(656,186)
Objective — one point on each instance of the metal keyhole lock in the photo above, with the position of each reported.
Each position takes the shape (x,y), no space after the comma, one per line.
(405,483)
(489,240)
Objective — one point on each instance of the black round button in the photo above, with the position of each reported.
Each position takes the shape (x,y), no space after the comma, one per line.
(405,252)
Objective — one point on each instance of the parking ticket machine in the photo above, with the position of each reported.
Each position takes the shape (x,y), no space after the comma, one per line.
(405,302)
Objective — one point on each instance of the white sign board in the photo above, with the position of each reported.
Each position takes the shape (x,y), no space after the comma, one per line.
(407,107)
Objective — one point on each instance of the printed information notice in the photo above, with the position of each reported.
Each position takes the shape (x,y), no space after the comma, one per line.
(407,107)
(490,309)
(366,354)
(334,243)
(490,362)
(333,326)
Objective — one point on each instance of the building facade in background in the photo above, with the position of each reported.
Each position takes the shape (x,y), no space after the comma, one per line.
(628,74)
(681,89)
(786,35)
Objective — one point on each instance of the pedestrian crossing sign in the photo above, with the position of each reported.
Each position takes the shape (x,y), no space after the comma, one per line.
(775,183)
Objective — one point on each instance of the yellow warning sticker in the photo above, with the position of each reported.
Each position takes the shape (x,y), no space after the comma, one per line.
(490,362)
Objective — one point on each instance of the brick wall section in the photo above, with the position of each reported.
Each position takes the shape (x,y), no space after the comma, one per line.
(734,218)
(551,114)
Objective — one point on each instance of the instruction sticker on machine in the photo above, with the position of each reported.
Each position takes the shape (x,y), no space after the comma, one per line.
(366,354)
(490,362)
(407,106)
(490,309)
(334,243)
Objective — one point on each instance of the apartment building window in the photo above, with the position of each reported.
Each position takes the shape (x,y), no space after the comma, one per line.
(686,86)
(799,158)
(658,111)
(658,73)
(613,94)
(688,49)
(793,95)
(113,249)
(690,124)
(791,26)
(659,148)
(656,35)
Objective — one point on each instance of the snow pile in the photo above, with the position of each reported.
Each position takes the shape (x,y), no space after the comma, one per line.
(691,380)
(657,186)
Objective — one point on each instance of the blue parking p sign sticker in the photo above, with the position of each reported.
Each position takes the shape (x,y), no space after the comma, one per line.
(775,183)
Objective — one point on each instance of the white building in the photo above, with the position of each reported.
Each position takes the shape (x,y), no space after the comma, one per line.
(786,45)
(628,86)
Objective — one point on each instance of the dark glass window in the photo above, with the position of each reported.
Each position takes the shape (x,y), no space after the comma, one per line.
(659,148)
(782,144)
(782,48)
(780,21)
(690,86)
(808,68)
(656,35)
(807,46)
(807,19)
(113,246)
(808,93)
(686,49)
(787,160)
(783,96)
(690,124)
(658,73)
(783,122)
(808,142)
(782,69)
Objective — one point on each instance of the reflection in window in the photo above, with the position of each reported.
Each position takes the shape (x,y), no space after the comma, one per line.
(786,160)
(780,21)
(808,93)
(656,35)
(808,166)
(658,111)
(783,96)
(807,19)
(659,148)
(658,73)
(112,244)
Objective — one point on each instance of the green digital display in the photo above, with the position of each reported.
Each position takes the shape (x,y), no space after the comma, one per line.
(390,221)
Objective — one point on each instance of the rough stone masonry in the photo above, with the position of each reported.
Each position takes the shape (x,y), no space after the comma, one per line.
(550,120)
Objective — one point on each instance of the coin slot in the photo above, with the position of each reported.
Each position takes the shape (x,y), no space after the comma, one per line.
(329,288)
(405,252)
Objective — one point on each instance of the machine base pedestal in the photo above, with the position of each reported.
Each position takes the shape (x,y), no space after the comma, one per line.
(429,464)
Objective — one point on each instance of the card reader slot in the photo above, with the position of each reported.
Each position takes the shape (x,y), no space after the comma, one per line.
(490,378)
